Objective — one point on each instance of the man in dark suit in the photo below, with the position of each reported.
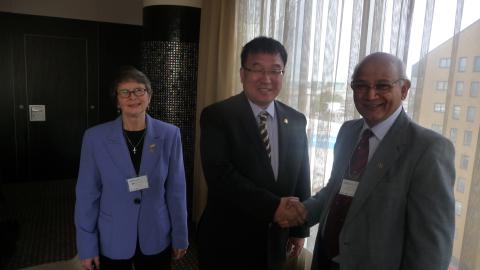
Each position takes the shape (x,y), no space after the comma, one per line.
(255,160)
(397,211)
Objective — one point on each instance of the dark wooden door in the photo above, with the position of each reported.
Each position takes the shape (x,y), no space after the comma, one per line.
(56,75)
(55,66)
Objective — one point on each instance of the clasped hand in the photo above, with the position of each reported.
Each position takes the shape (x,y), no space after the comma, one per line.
(290,212)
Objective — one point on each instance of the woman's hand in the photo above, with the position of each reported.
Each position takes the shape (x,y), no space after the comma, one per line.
(91,263)
(178,253)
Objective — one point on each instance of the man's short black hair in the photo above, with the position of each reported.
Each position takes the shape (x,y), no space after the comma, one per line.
(263,45)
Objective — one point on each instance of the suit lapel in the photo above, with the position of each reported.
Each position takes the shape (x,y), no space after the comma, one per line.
(118,150)
(151,148)
(284,137)
(250,126)
(344,153)
(385,156)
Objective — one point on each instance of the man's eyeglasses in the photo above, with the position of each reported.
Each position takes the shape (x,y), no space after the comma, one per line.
(379,86)
(261,72)
(125,93)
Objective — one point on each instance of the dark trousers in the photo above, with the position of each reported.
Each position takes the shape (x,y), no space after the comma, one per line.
(324,262)
(160,261)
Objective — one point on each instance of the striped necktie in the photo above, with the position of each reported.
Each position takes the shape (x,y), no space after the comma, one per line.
(264,133)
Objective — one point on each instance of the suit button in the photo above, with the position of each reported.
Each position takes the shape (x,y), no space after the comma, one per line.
(136,200)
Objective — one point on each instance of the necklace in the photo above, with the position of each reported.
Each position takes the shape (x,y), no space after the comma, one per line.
(134,150)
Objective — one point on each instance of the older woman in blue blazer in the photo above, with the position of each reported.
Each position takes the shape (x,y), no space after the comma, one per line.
(130,194)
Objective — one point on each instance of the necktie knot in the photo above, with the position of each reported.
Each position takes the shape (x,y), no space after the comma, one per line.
(367,133)
(263,116)
(359,158)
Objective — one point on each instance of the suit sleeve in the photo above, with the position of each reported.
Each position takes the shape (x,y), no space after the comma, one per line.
(303,187)
(316,204)
(431,210)
(175,191)
(225,182)
(88,190)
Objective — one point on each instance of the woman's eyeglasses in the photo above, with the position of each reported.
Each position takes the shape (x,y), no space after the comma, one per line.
(125,93)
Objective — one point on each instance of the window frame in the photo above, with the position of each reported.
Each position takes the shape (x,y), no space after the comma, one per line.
(474,90)
(462,64)
(476,64)
(459,87)
(456,112)
(471,114)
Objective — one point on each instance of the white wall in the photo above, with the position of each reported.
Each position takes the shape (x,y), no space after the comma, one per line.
(115,11)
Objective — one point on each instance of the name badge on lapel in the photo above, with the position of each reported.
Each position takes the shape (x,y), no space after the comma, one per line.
(349,187)
(137,183)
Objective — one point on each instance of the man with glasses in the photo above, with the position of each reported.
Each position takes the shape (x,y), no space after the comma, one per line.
(389,202)
(255,161)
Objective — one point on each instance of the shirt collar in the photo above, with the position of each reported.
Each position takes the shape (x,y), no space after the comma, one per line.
(256,109)
(381,129)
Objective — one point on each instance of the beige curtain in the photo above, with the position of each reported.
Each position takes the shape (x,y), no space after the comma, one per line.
(217,66)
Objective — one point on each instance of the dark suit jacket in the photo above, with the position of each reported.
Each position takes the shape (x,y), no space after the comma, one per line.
(236,230)
(402,215)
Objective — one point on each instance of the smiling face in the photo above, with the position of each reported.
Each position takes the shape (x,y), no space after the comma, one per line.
(132,106)
(262,86)
(376,106)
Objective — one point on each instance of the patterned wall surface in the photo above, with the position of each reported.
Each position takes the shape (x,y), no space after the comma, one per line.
(172,69)
(170,60)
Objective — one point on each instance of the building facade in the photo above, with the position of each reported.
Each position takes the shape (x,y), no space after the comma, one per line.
(445,97)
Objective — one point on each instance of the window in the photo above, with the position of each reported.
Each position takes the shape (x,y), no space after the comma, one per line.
(471,111)
(476,66)
(474,89)
(459,88)
(460,185)
(456,112)
(444,63)
(464,162)
(439,107)
(467,138)
(442,85)
(437,128)
(462,64)
(453,135)
(458,208)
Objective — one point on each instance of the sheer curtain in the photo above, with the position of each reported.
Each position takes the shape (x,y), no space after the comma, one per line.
(325,40)
(438,41)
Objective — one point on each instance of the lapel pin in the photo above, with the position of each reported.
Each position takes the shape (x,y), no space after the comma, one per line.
(151,147)
(285,120)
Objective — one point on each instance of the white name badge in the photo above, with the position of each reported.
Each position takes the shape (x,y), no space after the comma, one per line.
(137,183)
(348,188)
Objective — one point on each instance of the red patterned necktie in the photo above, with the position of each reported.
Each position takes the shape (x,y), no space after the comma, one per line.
(341,203)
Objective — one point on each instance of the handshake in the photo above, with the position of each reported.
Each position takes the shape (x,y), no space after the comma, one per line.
(290,212)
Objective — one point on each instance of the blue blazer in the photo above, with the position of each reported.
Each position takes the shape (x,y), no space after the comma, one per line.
(106,218)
